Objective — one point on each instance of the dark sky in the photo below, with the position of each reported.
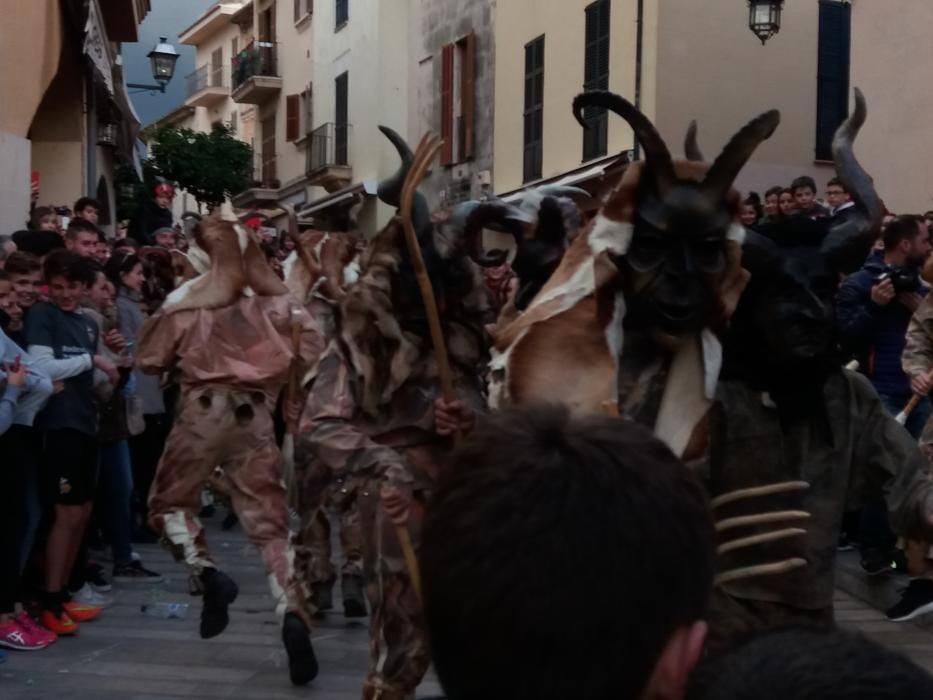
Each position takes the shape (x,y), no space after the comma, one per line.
(167,18)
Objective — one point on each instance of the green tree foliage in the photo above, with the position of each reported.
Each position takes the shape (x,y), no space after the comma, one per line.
(210,167)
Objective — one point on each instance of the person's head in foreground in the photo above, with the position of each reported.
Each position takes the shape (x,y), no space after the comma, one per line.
(804,664)
(566,558)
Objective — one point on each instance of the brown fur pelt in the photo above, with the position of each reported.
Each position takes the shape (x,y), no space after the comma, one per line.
(383,328)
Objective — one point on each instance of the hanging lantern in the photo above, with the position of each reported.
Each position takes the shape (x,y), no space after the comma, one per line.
(764,18)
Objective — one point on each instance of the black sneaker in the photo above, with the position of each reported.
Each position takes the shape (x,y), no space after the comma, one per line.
(229,522)
(302,664)
(322,595)
(917,600)
(95,577)
(876,563)
(135,572)
(219,593)
(354,602)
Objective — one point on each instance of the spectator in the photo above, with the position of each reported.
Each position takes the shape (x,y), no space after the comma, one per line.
(38,243)
(102,249)
(44,219)
(751,212)
(23,391)
(63,344)
(786,203)
(25,275)
(873,312)
(87,209)
(804,191)
(581,499)
(116,467)
(125,271)
(81,238)
(838,198)
(803,664)
(165,237)
(7,248)
(772,205)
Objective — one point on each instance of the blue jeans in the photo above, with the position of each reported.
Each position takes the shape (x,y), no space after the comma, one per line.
(116,479)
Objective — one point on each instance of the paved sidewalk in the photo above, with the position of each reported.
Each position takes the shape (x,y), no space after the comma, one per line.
(127,656)
(906,637)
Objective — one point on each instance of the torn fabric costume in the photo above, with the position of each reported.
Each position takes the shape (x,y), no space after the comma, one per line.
(787,416)
(228,335)
(370,416)
(318,272)
(630,320)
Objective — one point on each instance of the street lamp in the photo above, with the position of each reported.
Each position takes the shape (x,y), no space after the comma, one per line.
(162,58)
(764,18)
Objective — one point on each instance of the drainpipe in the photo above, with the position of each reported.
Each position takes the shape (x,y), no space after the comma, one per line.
(639,35)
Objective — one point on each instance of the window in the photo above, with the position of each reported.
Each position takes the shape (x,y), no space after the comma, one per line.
(303,8)
(534,110)
(832,73)
(217,67)
(596,77)
(458,100)
(342,13)
(306,111)
(292,117)
(268,152)
(233,122)
(234,46)
(341,114)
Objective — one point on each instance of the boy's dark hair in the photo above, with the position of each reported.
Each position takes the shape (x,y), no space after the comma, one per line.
(541,511)
(808,664)
(86,202)
(5,276)
(777,189)
(71,266)
(904,228)
(79,225)
(836,182)
(803,182)
(38,243)
(20,263)
(788,190)
(119,264)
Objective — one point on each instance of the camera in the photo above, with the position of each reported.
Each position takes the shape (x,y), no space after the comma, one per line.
(904,279)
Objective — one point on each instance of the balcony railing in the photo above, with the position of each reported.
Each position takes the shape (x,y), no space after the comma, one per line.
(206,76)
(258,59)
(328,145)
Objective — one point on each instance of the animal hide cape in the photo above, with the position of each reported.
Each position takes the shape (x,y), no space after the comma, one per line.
(566,346)
(383,325)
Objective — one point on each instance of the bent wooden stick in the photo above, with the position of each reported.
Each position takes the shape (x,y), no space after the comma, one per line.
(912,404)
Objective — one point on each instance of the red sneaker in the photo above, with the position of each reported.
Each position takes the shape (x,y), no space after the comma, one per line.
(26,622)
(62,625)
(14,636)
(79,612)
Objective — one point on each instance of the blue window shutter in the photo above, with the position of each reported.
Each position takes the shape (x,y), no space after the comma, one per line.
(832,101)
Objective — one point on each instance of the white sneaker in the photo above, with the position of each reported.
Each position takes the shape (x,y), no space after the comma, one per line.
(88,596)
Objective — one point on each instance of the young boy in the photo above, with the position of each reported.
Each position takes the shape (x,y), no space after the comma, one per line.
(804,189)
(62,343)
(87,209)
(25,275)
(82,238)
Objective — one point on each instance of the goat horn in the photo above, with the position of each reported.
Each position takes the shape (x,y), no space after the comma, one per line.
(390,190)
(562,191)
(781,567)
(691,147)
(657,156)
(759,491)
(726,167)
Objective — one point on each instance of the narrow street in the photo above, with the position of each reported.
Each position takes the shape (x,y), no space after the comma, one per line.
(127,656)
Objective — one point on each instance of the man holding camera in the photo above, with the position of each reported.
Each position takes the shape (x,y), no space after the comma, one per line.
(873,312)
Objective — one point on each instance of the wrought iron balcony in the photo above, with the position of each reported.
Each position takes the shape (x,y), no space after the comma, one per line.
(206,86)
(327,159)
(255,74)
(265,185)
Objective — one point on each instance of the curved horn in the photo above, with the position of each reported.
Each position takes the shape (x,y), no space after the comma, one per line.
(726,167)
(390,190)
(482,216)
(191,215)
(848,242)
(691,147)
(303,254)
(657,156)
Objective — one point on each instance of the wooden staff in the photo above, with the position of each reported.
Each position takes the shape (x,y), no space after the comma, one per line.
(427,150)
(912,404)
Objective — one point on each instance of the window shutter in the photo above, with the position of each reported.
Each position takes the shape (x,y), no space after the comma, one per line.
(468,95)
(292,112)
(447,104)
(832,102)
(297,10)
